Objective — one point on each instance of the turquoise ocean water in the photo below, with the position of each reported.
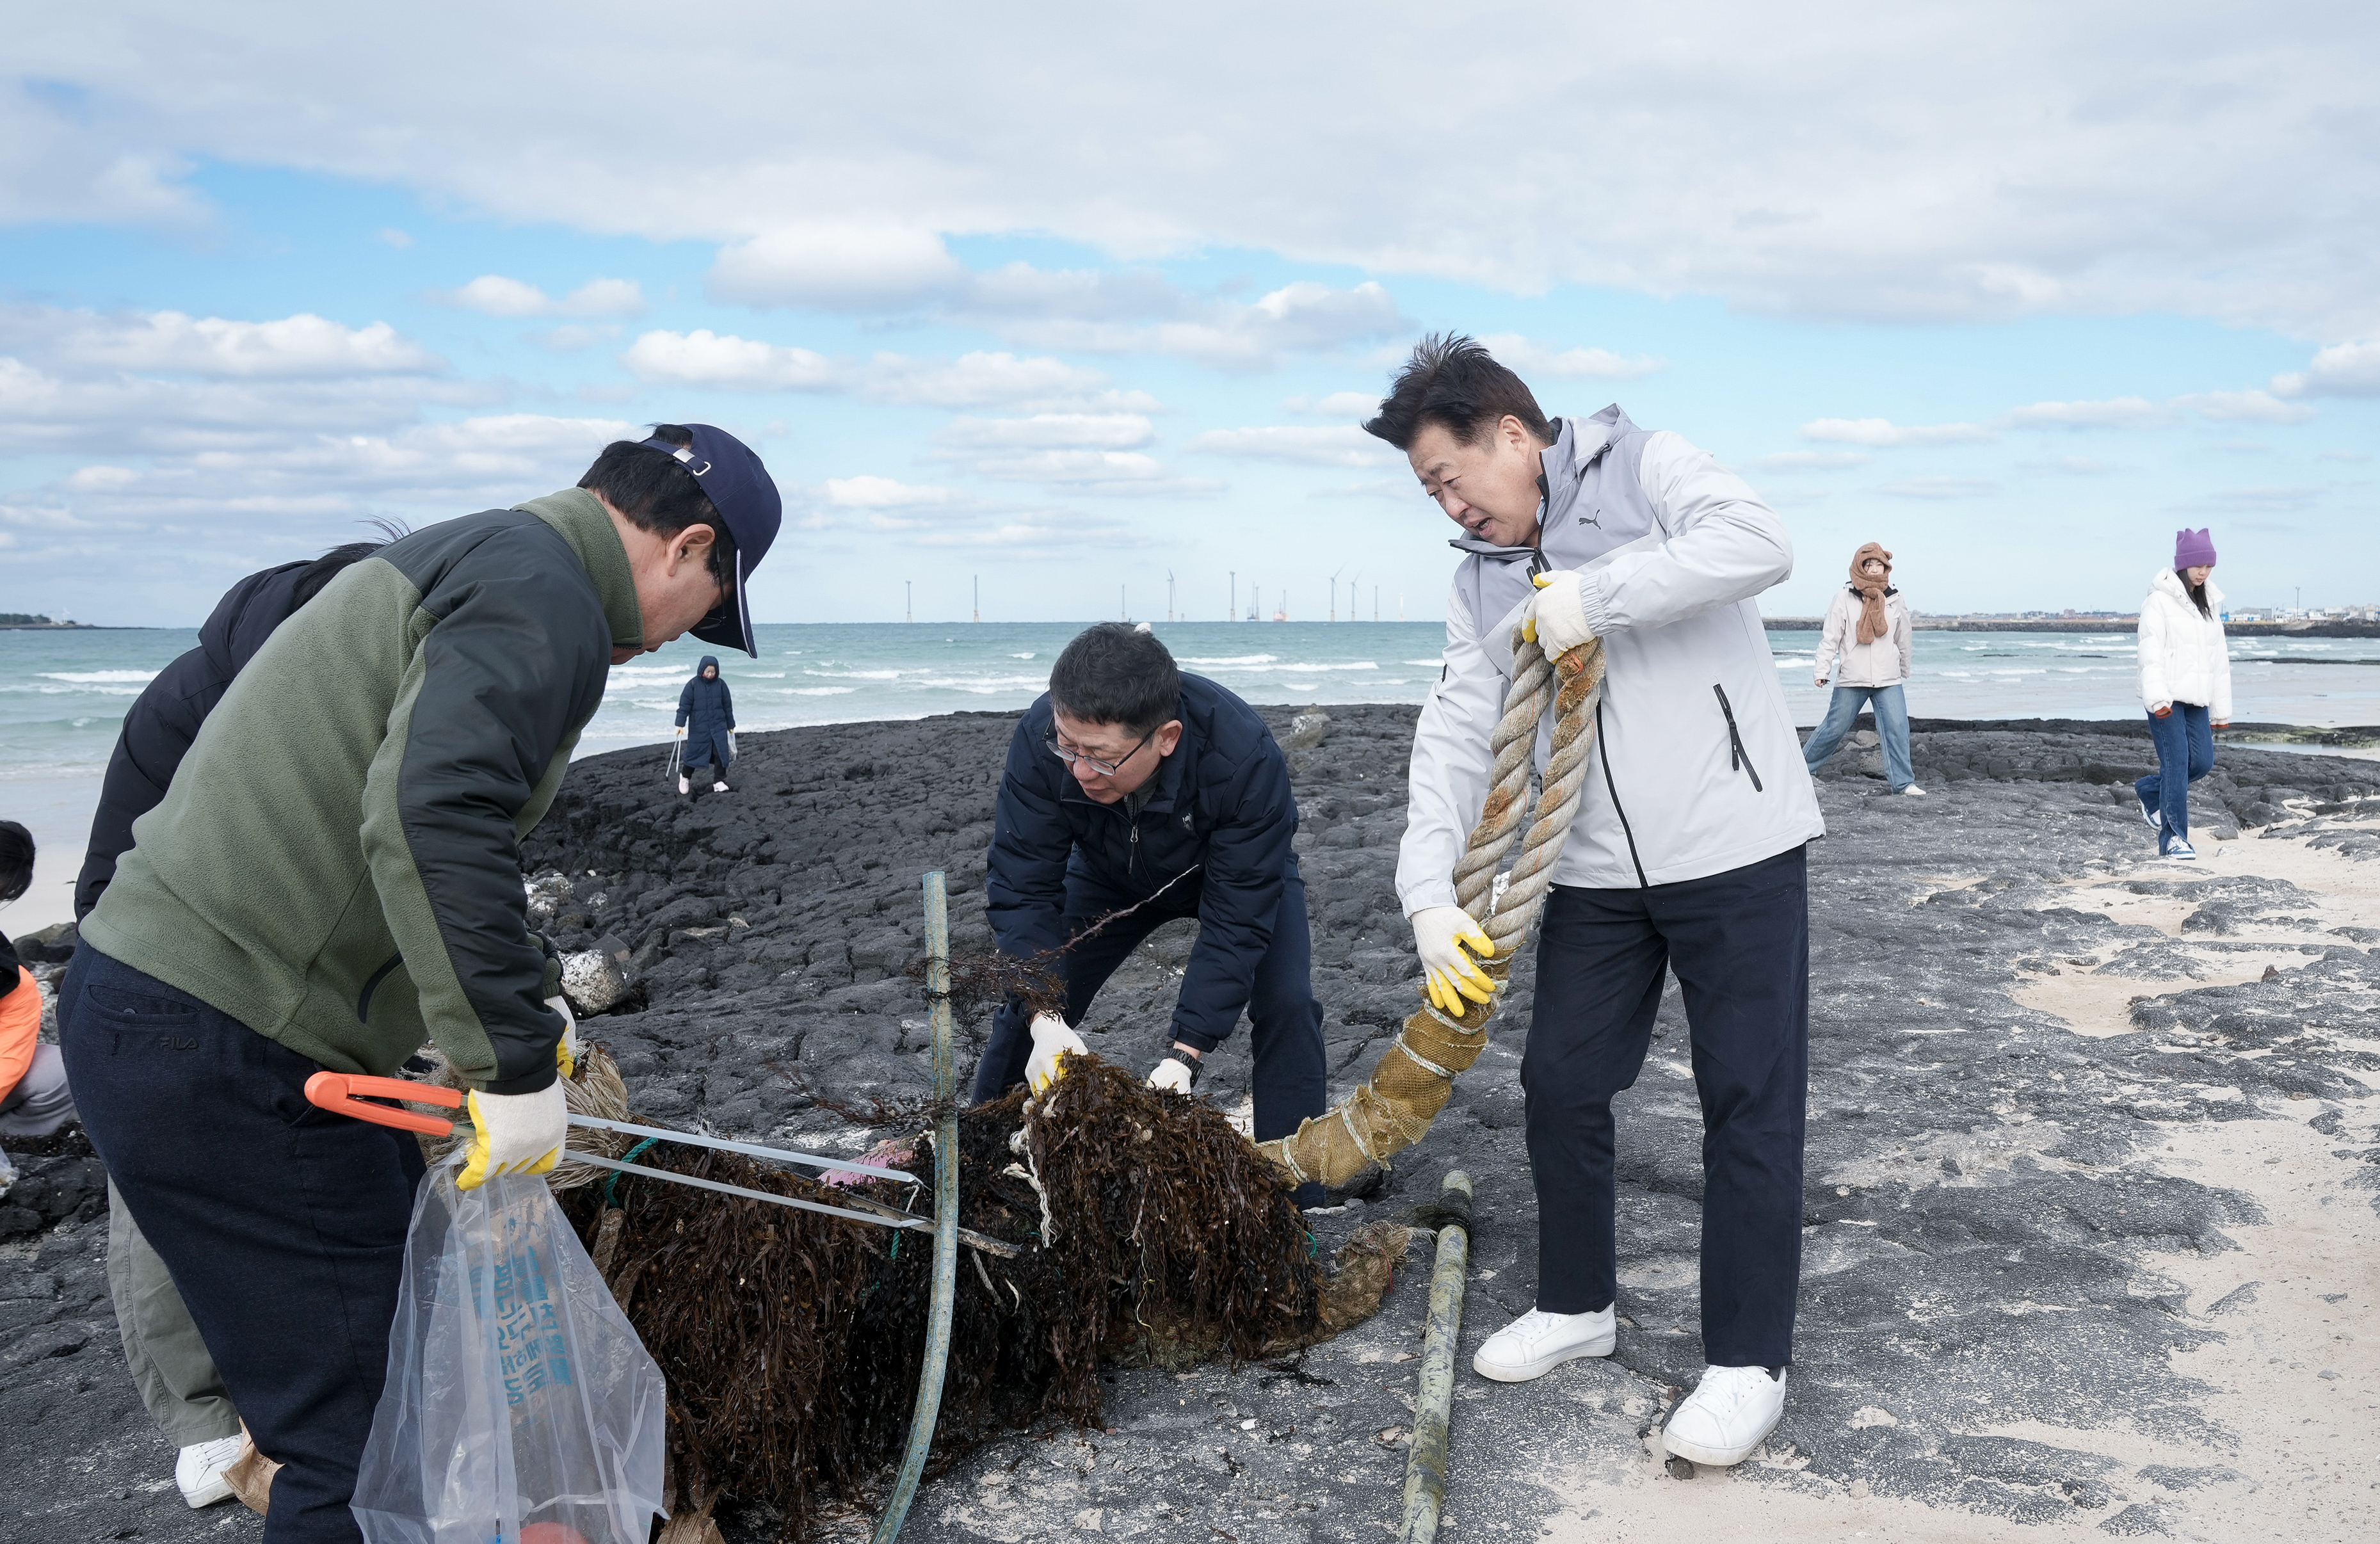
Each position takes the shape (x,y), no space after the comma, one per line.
(63,695)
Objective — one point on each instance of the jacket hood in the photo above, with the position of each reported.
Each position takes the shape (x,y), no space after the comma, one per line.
(2165,581)
(710,662)
(247,614)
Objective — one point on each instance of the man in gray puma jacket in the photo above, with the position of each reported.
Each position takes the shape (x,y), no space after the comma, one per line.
(1685,856)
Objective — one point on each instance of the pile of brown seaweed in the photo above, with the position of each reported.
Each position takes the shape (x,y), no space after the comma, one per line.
(1108,1218)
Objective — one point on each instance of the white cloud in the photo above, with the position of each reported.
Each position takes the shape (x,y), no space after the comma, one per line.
(118,414)
(1356,405)
(2342,369)
(2096,158)
(1884,432)
(1139,313)
(1097,311)
(727,362)
(1090,472)
(883,493)
(304,346)
(1313,446)
(1939,487)
(1050,430)
(494,294)
(1530,360)
(2121,412)
(838,265)
(703,357)
(2248,407)
(2265,499)
(995,380)
(1808,460)
(308,478)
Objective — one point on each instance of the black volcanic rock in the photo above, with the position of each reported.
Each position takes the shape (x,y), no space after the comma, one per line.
(1982,1216)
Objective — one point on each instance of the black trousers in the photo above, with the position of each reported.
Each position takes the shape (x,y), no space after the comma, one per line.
(283,1225)
(1290,1078)
(1739,944)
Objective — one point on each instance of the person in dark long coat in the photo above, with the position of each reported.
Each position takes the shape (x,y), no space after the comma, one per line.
(706,720)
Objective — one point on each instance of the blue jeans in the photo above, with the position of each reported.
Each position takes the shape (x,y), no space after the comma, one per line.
(1891,730)
(2185,747)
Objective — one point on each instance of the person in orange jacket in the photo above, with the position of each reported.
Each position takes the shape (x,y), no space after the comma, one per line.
(34,1100)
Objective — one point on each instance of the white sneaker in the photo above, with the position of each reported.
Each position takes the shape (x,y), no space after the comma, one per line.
(719,787)
(2181,852)
(1537,1343)
(685,786)
(1726,1417)
(2151,813)
(1913,788)
(198,1470)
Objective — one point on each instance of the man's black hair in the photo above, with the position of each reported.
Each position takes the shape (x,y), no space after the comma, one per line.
(657,493)
(1116,674)
(15,860)
(1453,381)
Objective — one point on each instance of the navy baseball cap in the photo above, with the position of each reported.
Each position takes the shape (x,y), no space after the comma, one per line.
(747,502)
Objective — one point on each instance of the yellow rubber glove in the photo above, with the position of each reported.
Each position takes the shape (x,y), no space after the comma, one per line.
(1441,934)
(515,1134)
(1051,1039)
(566,1049)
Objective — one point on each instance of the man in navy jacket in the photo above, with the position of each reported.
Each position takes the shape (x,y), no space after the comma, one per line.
(1131,784)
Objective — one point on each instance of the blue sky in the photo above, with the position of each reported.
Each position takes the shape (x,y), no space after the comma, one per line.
(1064,303)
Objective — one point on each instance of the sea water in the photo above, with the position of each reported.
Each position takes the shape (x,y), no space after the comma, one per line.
(63,694)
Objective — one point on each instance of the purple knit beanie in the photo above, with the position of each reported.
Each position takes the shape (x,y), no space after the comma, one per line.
(2192,549)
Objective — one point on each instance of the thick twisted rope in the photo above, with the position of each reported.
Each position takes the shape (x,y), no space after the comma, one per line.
(1393,1108)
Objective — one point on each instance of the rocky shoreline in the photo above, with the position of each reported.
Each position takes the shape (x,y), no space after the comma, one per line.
(2092,1138)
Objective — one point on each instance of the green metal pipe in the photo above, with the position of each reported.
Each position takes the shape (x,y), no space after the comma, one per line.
(946,1215)
(1425,1461)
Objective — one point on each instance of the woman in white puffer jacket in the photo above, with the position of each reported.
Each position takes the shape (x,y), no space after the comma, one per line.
(2185,686)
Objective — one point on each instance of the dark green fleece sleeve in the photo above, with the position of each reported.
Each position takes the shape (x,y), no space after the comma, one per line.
(513,661)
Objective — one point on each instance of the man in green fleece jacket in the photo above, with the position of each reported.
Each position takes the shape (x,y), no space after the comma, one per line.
(334,877)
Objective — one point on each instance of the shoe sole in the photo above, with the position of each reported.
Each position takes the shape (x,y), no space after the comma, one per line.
(208,1495)
(1528,1371)
(1718,1458)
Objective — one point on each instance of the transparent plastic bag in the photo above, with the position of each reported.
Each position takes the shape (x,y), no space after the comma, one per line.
(521,1408)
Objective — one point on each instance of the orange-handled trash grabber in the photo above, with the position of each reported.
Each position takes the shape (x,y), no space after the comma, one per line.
(346,1093)
(342,1093)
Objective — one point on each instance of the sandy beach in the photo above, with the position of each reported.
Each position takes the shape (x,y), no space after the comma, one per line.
(2090,1248)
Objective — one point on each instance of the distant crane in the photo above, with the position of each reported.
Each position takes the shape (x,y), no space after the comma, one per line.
(1169,597)
(1232,611)
(908,601)
(979,598)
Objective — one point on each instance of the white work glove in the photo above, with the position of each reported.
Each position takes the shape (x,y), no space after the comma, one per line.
(515,1133)
(1441,934)
(1174,1076)
(566,1049)
(1051,1039)
(1556,620)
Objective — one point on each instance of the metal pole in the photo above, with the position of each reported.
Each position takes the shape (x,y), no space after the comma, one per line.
(946,1214)
(1425,1463)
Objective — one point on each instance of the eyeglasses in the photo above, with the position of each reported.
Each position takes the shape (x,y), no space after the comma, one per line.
(1105,769)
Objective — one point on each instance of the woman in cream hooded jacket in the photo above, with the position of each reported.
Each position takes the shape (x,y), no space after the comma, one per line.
(2185,686)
